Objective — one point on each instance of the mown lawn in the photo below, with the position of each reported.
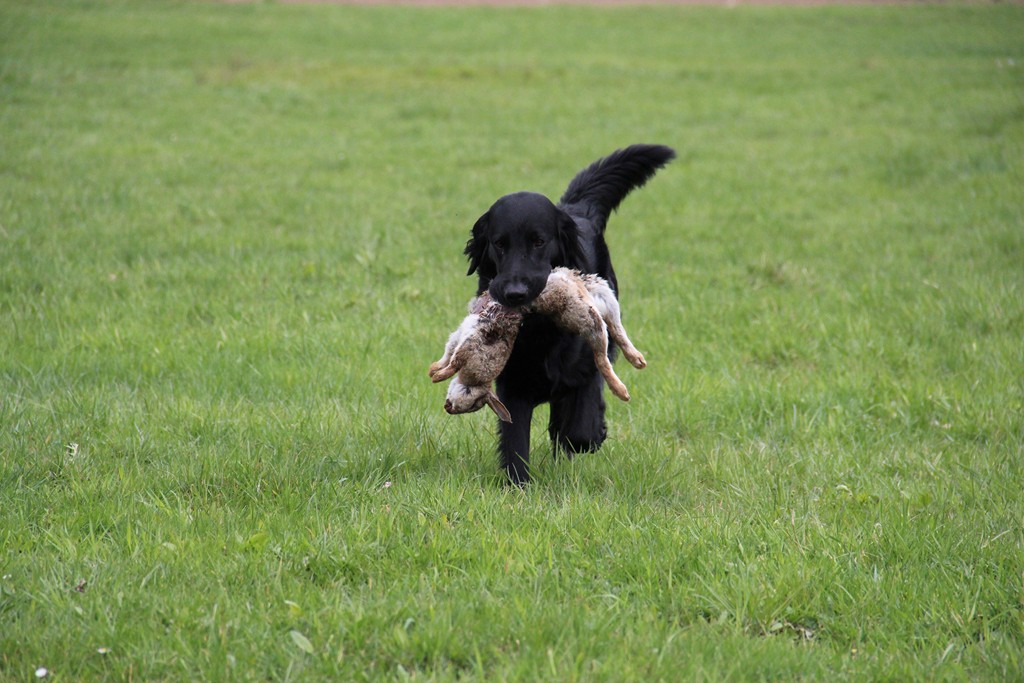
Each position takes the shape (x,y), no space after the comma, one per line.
(230,245)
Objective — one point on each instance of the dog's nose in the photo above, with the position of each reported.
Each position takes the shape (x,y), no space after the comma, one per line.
(448,407)
(515,295)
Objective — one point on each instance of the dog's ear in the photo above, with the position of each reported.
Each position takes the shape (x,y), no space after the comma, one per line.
(498,407)
(476,249)
(569,242)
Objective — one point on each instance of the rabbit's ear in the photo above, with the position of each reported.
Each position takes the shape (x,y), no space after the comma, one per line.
(498,407)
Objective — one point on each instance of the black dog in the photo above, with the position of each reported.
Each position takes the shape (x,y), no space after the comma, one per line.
(513,248)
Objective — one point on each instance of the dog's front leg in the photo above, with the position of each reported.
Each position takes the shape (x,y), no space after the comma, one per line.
(577,418)
(514,439)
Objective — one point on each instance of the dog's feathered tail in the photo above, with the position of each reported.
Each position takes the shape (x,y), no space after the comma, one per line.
(598,189)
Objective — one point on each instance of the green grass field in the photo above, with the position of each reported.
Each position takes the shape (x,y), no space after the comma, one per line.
(230,245)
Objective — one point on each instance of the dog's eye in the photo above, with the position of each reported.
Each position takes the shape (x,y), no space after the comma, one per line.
(499,246)
(538,242)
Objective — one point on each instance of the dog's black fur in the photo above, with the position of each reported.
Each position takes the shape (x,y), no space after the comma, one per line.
(512,249)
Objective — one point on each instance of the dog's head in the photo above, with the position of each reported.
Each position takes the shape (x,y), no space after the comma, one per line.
(517,242)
